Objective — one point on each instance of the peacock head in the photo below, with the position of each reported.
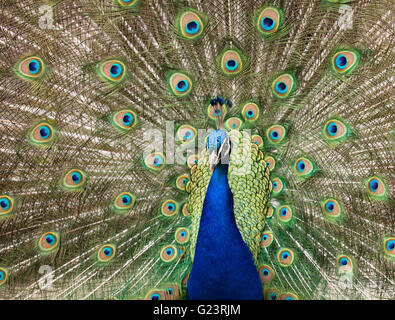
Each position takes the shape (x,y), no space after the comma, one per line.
(218,146)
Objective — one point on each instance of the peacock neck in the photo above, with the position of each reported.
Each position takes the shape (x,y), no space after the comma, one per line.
(223,266)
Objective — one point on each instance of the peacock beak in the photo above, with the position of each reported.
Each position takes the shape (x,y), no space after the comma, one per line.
(213,159)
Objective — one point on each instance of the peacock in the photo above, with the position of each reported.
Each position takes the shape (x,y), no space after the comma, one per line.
(197,149)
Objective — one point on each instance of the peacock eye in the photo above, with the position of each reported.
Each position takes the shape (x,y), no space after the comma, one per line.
(169,208)
(179,83)
(6,205)
(128,3)
(269,20)
(389,246)
(231,62)
(266,274)
(41,134)
(267,239)
(123,202)
(123,120)
(270,162)
(277,185)
(182,181)
(74,179)
(331,208)
(155,161)
(276,134)
(168,253)
(186,133)
(250,111)
(304,167)
(30,68)
(182,235)
(285,257)
(377,188)
(344,62)
(106,253)
(113,71)
(3,276)
(344,263)
(190,24)
(284,85)
(233,123)
(334,130)
(48,242)
(285,213)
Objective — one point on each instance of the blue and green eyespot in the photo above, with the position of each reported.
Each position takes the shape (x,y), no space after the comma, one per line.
(112,71)
(345,61)
(106,253)
(179,83)
(6,205)
(74,179)
(31,68)
(48,242)
(123,120)
(269,20)
(191,24)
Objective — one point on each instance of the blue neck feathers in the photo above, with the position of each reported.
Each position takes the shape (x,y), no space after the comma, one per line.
(223,267)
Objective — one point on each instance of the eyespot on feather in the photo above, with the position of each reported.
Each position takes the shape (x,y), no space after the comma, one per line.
(345,61)
(389,246)
(155,294)
(257,140)
(3,275)
(106,253)
(30,68)
(331,208)
(191,24)
(231,62)
(344,264)
(41,134)
(269,212)
(192,160)
(284,213)
(180,84)
(113,71)
(233,123)
(168,253)
(74,179)
(288,296)
(277,185)
(127,3)
(377,188)
(276,134)
(155,161)
(304,167)
(250,111)
(124,201)
(269,20)
(182,235)
(6,205)
(271,294)
(123,120)
(185,210)
(266,273)
(284,85)
(214,112)
(335,130)
(285,257)
(182,181)
(266,239)
(169,208)
(48,242)
(186,133)
(270,162)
